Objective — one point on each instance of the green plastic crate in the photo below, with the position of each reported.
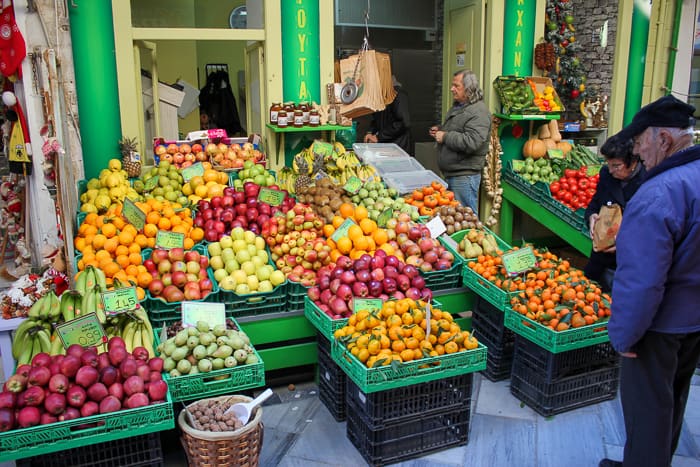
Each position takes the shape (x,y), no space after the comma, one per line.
(574,218)
(325,324)
(458,236)
(487,290)
(555,341)
(255,304)
(215,383)
(405,374)
(532,190)
(295,295)
(59,436)
(445,279)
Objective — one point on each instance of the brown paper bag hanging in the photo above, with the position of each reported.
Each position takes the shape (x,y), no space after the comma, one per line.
(369,95)
(387,84)
(606,227)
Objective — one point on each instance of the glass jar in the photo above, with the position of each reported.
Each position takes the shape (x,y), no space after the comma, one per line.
(305,108)
(298,118)
(289,107)
(314,118)
(282,119)
(274,109)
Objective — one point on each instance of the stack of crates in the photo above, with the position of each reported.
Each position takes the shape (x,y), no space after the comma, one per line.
(488,328)
(331,380)
(137,451)
(552,383)
(410,421)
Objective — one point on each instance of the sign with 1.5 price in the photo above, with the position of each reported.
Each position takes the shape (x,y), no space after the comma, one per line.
(85,330)
(119,300)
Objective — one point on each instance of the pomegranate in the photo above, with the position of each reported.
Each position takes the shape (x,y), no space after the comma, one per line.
(16,383)
(47,418)
(70,365)
(133,384)
(75,350)
(157,390)
(138,399)
(41,359)
(8,400)
(97,392)
(109,375)
(116,390)
(76,396)
(89,358)
(71,413)
(156,364)
(117,354)
(127,367)
(39,376)
(90,408)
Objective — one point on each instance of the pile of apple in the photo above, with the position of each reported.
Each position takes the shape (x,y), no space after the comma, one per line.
(178,275)
(256,173)
(419,248)
(234,156)
(296,244)
(181,155)
(80,384)
(379,276)
(236,209)
(241,263)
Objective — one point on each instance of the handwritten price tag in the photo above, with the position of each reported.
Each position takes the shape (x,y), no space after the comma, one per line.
(436,227)
(369,304)
(518,165)
(119,300)
(342,230)
(519,261)
(212,313)
(353,185)
(151,183)
(555,153)
(270,196)
(384,217)
(593,170)
(167,240)
(84,330)
(133,214)
(192,171)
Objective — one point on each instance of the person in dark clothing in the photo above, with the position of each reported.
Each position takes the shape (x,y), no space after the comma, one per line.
(393,124)
(217,105)
(619,180)
(655,314)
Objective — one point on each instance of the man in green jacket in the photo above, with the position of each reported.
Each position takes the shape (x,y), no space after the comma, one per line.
(463,140)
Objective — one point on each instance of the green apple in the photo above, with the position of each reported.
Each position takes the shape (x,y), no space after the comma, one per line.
(277,277)
(220,275)
(243,256)
(239,245)
(249,237)
(228,254)
(265,286)
(257,261)
(259,243)
(226,241)
(242,289)
(232,265)
(240,276)
(248,267)
(253,283)
(214,249)
(238,233)
(263,274)
(252,251)
(227,283)
(262,254)
(216,263)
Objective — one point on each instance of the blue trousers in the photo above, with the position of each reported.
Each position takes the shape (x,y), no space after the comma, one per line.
(466,190)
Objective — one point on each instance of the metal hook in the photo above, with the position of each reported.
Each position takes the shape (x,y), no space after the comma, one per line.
(367,23)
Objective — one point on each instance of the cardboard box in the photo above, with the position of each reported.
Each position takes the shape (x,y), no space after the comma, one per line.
(542,82)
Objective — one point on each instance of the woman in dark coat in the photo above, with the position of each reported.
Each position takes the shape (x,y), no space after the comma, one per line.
(619,180)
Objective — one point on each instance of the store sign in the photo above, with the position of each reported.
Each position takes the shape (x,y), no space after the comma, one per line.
(119,300)
(593,170)
(518,37)
(555,153)
(519,261)
(384,217)
(133,214)
(300,63)
(151,183)
(353,185)
(270,196)
(212,313)
(84,330)
(167,240)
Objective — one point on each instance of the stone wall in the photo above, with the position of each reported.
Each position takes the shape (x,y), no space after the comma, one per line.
(590,15)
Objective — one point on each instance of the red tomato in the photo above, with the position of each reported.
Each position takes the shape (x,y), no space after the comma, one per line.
(573,183)
(554,187)
(569,173)
(567,197)
(583,183)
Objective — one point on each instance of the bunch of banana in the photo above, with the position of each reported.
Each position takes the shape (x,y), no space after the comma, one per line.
(367,173)
(303,162)
(338,148)
(347,160)
(46,309)
(92,303)
(31,337)
(71,304)
(87,279)
(286,178)
(138,332)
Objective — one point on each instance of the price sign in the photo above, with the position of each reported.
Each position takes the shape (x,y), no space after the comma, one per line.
(449,242)
(212,313)
(342,231)
(593,170)
(369,304)
(192,171)
(384,217)
(519,261)
(167,240)
(133,214)
(119,300)
(151,183)
(436,227)
(518,165)
(353,185)
(85,330)
(555,153)
(270,196)
(322,148)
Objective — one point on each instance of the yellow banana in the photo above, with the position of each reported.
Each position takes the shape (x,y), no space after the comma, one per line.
(56,345)
(44,341)
(138,339)
(128,336)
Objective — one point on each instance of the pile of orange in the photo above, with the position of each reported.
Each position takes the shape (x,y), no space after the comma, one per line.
(206,186)
(399,332)
(110,243)
(428,198)
(364,237)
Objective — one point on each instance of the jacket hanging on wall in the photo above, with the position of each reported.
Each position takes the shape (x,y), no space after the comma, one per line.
(217,102)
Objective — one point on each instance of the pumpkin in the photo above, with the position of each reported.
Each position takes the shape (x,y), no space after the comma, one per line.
(549,143)
(554,131)
(534,148)
(565,147)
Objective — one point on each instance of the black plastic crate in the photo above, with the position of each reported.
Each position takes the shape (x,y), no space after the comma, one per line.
(382,408)
(409,438)
(497,369)
(331,384)
(548,397)
(554,366)
(323,343)
(488,328)
(144,450)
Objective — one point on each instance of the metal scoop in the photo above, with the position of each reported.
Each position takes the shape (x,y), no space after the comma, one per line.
(243,410)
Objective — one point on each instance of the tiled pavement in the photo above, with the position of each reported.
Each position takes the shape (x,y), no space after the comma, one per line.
(300,431)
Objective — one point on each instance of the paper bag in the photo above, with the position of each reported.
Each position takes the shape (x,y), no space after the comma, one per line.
(384,70)
(369,91)
(606,227)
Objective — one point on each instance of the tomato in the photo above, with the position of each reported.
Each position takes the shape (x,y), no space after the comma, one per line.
(563,186)
(569,173)
(567,197)
(583,183)
(590,192)
(554,187)
(583,171)
(573,183)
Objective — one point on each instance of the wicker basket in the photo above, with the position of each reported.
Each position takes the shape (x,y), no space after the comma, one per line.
(240,448)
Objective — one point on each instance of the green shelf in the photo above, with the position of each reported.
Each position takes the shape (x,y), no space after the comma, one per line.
(293,129)
(527,116)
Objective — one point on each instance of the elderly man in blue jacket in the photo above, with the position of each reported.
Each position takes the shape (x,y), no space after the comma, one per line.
(655,320)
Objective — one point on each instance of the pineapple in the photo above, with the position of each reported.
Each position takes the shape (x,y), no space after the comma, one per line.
(131,160)
(317,164)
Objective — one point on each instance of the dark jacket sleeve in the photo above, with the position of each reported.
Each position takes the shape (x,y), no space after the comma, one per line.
(474,132)
(399,119)
(598,198)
